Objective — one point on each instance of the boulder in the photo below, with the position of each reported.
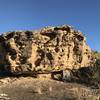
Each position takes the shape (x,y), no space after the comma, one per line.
(44,50)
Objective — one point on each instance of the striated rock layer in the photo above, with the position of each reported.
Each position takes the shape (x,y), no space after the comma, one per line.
(50,48)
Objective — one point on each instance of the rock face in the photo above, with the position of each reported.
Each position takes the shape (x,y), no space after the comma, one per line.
(50,48)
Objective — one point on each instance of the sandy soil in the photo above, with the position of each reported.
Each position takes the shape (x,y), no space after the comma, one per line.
(28,88)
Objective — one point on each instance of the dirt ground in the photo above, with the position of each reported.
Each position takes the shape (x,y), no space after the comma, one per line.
(28,88)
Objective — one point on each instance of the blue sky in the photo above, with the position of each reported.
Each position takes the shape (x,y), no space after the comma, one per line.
(34,14)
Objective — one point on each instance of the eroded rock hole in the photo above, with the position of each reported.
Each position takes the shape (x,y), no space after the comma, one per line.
(57,49)
(41,55)
(38,62)
(49,56)
(51,35)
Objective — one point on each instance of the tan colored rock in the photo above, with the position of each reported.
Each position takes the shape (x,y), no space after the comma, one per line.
(50,48)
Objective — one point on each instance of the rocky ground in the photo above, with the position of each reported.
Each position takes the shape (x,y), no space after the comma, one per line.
(28,88)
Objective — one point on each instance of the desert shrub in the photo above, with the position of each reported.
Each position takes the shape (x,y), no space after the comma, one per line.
(97,68)
(96,54)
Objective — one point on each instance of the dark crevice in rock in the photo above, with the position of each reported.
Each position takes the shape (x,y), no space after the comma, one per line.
(2,38)
(49,56)
(29,34)
(10,35)
(57,49)
(62,28)
(37,62)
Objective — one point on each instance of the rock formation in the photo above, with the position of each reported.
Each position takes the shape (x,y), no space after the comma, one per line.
(47,49)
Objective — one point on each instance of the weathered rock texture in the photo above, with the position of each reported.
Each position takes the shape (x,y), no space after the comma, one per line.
(50,48)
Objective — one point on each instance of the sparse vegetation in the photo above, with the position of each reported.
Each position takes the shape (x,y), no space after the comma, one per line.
(97,65)
(96,54)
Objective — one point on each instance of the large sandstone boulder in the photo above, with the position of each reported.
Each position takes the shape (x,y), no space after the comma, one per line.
(47,49)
